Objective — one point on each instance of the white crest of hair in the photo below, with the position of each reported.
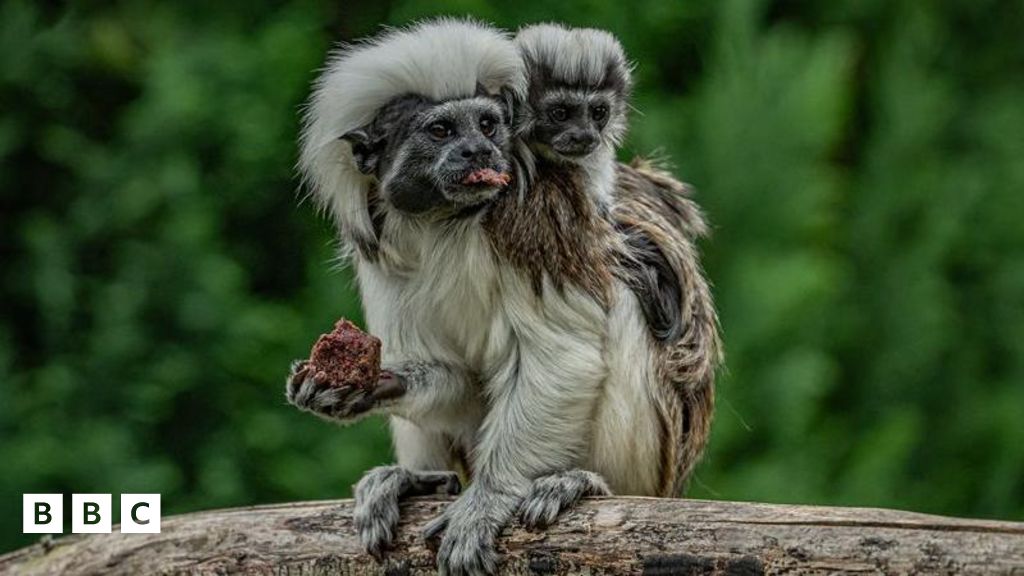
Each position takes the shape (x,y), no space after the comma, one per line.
(573,55)
(440,59)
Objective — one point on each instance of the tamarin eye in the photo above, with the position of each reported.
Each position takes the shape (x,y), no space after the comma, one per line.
(559,113)
(487,126)
(440,130)
(599,112)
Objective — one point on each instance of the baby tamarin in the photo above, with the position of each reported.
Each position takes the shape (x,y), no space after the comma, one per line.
(516,320)
(574,116)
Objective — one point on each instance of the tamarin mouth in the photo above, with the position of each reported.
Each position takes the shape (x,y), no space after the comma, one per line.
(488,176)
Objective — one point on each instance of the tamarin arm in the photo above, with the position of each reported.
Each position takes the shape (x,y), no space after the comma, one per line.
(434,395)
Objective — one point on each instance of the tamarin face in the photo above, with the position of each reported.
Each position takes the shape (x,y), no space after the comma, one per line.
(435,157)
(572,123)
(579,83)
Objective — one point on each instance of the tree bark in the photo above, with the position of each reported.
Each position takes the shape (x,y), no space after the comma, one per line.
(602,536)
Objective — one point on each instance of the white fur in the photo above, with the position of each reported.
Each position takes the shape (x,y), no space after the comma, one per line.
(440,59)
(555,383)
(576,55)
(533,367)
(599,175)
(627,440)
(419,449)
(542,389)
(438,307)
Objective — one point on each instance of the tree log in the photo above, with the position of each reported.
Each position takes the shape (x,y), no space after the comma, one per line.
(603,536)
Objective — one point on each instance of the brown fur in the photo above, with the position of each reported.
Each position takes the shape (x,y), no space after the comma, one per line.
(651,200)
(553,230)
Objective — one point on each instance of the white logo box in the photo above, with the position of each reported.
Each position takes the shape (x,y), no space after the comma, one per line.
(140,513)
(90,514)
(42,514)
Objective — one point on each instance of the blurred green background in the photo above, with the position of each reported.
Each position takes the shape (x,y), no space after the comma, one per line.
(862,162)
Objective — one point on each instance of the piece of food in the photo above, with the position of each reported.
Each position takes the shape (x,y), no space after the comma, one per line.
(346,357)
(489,177)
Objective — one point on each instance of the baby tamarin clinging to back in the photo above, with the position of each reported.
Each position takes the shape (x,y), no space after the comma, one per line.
(573,119)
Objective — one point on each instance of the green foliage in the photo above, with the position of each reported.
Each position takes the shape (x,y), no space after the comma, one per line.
(862,163)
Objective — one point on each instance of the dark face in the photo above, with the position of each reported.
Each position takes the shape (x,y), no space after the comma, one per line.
(572,123)
(437,158)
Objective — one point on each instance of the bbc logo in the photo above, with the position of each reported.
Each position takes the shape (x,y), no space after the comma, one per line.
(90,513)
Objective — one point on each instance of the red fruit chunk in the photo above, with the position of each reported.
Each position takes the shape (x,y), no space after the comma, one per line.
(346,357)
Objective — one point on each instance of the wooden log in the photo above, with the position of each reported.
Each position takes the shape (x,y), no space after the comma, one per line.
(603,536)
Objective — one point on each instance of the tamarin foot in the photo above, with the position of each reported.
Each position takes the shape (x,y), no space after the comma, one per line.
(377,495)
(555,493)
(467,530)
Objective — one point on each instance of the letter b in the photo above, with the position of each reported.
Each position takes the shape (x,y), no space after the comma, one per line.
(42,514)
(90,513)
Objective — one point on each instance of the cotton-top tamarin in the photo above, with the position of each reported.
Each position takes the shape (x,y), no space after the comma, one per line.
(545,326)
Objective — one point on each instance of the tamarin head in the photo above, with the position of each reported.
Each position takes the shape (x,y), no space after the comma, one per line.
(579,85)
(435,157)
(412,120)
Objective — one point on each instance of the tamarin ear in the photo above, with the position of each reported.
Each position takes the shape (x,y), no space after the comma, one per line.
(504,98)
(507,100)
(365,150)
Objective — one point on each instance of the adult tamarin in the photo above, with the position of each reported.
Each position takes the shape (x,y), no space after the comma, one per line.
(517,342)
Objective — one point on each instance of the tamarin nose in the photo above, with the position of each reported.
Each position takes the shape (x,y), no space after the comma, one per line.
(582,139)
(478,153)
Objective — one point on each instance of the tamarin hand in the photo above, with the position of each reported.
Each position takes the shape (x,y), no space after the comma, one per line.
(338,403)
